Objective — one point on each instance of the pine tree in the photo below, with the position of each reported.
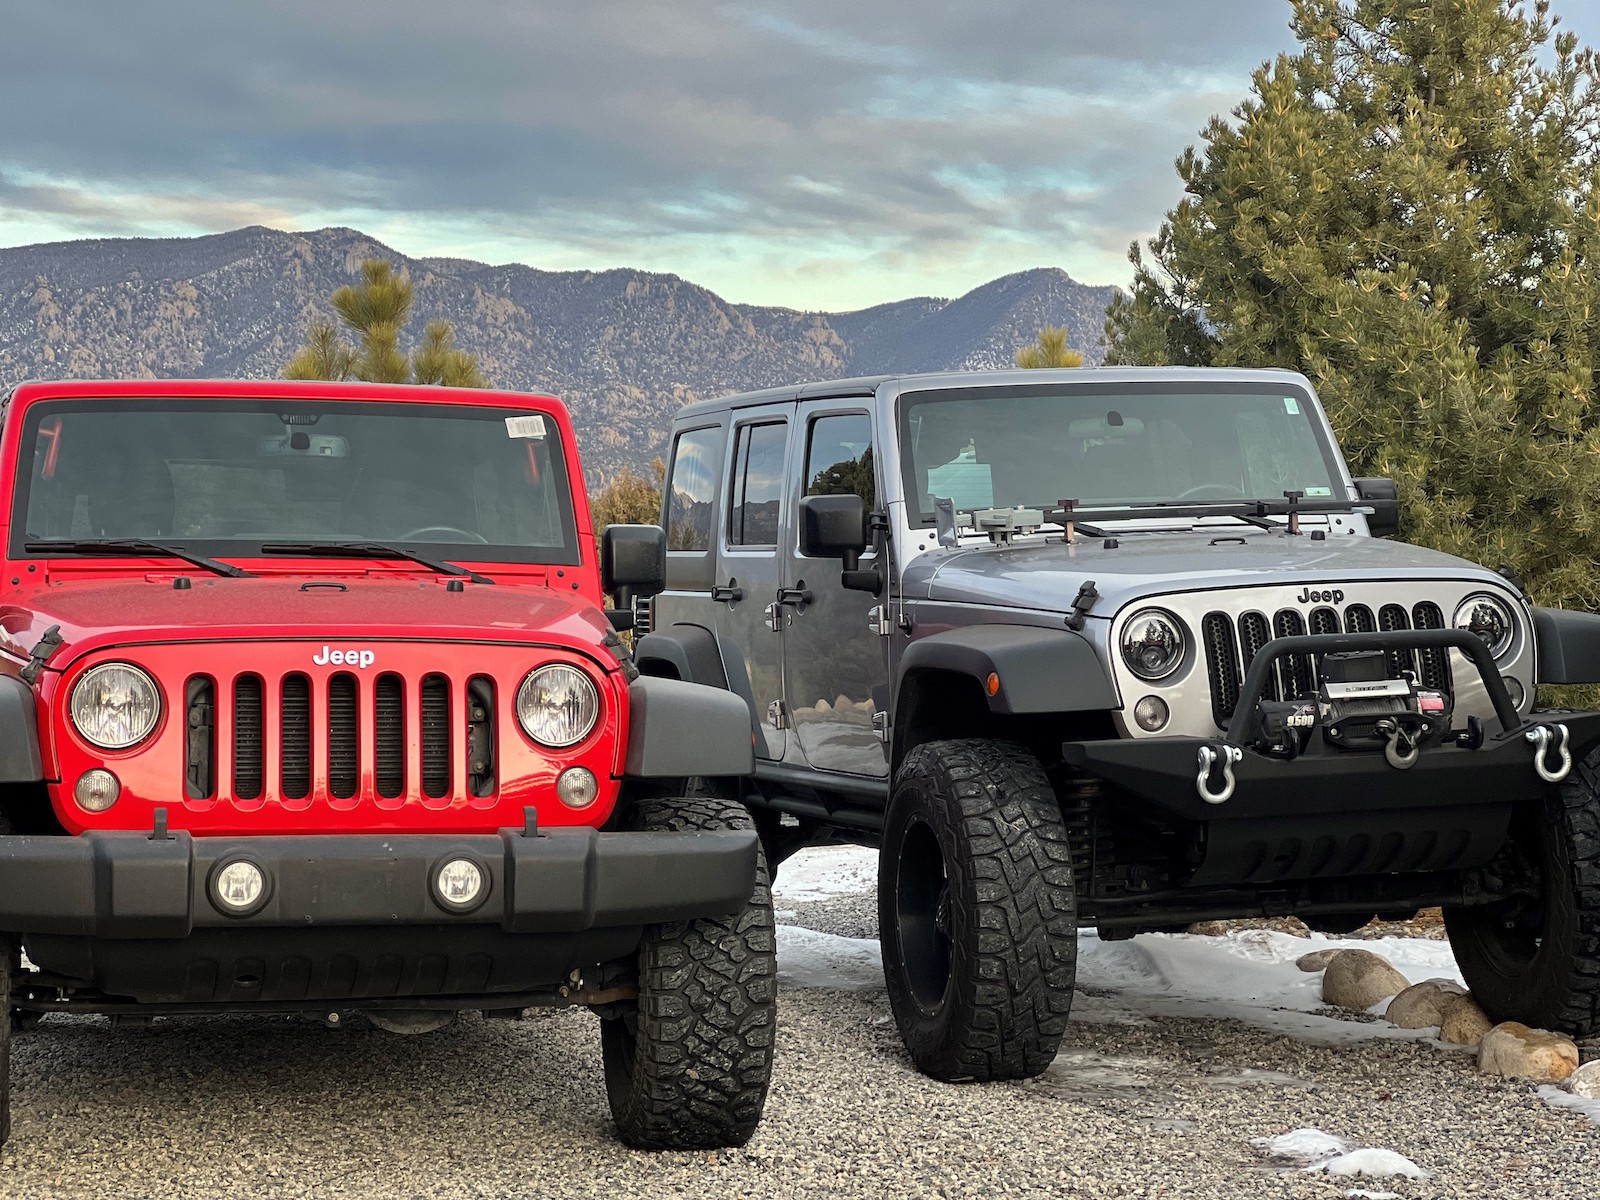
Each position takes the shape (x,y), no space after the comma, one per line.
(1049,351)
(376,310)
(1407,209)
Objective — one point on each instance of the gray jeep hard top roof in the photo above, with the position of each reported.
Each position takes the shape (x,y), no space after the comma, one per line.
(867,385)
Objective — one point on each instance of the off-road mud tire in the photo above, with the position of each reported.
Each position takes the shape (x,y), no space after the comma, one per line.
(1553,983)
(1007,907)
(688,1068)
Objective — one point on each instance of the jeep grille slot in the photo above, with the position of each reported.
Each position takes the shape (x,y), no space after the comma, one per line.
(389,722)
(344,742)
(1435,671)
(480,735)
(435,711)
(1358,619)
(1222,664)
(1298,669)
(200,739)
(1390,618)
(1254,633)
(249,765)
(295,714)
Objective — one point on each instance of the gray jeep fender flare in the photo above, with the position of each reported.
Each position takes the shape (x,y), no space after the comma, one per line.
(1568,644)
(20,761)
(1039,670)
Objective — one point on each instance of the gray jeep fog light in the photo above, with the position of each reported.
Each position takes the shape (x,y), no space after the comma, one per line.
(239,887)
(459,885)
(1514,690)
(96,790)
(576,787)
(1151,713)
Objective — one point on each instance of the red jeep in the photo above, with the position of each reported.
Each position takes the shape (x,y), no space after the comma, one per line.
(308,704)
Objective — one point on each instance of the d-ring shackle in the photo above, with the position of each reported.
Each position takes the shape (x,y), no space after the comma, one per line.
(1211,756)
(1542,736)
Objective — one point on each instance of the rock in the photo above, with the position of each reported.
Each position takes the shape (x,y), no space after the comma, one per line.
(1317,960)
(842,701)
(1358,979)
(1585,1081)
(1463,1023)
(823,706)
(1421,1006)
(1514,1050)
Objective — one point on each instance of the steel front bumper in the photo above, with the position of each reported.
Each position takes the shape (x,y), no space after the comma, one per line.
(558,881)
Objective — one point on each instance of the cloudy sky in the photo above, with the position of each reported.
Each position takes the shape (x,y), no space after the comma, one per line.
(814,153)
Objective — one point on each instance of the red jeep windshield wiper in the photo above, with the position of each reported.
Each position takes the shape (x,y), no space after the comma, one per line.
(134,547)
(371,550)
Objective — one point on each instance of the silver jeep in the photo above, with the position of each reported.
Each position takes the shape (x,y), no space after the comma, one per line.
(1123,648)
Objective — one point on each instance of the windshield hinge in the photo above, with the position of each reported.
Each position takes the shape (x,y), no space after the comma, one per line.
(41,652)
(1081,604)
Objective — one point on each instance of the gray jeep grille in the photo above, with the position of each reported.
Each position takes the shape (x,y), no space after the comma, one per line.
(1231,644)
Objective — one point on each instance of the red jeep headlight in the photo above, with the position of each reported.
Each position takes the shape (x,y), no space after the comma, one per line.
(115,705)
(557,705)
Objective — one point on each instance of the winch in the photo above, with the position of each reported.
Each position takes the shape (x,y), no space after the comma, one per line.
(1359,705)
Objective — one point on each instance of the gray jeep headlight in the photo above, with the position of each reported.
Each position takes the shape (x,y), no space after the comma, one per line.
(1153,643)
(115,705)
(1490,618)
(557,705)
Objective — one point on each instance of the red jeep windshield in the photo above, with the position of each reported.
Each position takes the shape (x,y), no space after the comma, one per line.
(222,477)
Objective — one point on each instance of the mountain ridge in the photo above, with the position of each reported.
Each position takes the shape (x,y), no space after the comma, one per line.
(624,347)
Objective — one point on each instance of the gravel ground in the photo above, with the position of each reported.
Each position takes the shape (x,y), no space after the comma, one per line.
(242,1107)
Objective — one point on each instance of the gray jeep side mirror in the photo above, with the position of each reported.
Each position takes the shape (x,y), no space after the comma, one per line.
(1384,497)
(633,562)
(834,527)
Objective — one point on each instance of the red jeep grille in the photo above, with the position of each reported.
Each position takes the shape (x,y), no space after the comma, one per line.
(314,747)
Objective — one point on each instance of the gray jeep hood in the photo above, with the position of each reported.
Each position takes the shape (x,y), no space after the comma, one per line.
(1046,575)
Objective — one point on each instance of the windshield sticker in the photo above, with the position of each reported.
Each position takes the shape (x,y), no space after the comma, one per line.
(1318,491)
(1291,406)
(530,425)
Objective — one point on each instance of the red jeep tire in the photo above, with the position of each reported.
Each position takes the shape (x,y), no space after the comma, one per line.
(687,1067)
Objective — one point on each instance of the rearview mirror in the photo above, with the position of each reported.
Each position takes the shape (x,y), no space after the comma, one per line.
(1384,497)
(834,527)
(633,562)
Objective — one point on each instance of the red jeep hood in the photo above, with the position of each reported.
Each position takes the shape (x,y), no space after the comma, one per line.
(94,614)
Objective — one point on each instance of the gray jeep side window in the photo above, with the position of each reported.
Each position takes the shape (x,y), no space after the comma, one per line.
(692,488)
(757,484)
(839,459)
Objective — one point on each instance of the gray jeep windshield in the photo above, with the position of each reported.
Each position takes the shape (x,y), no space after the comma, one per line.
(1110,444)
(221,477)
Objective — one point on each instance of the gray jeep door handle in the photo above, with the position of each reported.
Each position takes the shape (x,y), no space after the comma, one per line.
(727,595)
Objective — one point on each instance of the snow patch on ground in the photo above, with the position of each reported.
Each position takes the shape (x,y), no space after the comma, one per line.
(1314,1150)
(826,871)
(807,958)
(1302,1147)
(1557,1098)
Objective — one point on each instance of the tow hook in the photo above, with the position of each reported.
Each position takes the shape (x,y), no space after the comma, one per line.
(1400,748)
(1542,737)
(1210,758)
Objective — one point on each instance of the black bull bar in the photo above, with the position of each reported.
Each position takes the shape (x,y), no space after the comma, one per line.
(1209,779)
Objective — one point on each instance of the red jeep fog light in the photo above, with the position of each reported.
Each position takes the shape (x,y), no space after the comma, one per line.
(460,885)
(238,887)
(96,790)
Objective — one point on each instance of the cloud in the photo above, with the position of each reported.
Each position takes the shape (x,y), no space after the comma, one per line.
(821,152)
